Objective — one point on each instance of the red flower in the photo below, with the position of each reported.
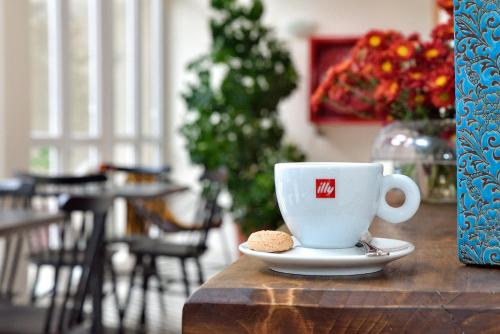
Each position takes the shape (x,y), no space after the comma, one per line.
(374,39)
(450,60)
(443,99)
(446,5)
(444,32)
(386,66)
(442,87)
(377,39)
(404,50)
(433,51)
(441,80)
(414,77)
(414,37)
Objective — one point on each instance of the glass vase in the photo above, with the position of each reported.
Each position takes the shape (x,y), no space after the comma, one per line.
(423,150)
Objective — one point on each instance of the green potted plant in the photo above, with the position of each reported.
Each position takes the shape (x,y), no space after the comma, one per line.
(232,105)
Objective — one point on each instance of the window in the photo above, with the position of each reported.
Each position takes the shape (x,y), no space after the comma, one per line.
(42,122)
(97,83)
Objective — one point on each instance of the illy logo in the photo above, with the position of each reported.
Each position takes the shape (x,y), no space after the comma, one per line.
(325,188)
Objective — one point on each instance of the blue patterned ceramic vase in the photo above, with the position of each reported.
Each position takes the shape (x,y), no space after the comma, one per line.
(477,68)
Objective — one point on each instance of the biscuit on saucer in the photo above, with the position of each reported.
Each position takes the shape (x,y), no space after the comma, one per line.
(270,241)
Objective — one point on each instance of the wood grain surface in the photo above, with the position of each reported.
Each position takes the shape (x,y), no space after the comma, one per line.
(429,291)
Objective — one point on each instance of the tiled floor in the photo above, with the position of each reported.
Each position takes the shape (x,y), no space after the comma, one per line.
(164,313)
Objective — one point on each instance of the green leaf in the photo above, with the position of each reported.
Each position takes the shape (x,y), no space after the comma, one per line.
(256,10)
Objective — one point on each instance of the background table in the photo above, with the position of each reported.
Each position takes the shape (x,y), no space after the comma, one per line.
(16,221)
(428,291)
(137,191)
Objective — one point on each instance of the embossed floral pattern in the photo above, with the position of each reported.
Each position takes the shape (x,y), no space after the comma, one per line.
(477,67)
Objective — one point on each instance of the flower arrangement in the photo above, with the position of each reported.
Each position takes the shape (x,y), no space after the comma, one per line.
(391,76)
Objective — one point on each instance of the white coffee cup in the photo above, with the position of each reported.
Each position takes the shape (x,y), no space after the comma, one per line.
(330,205)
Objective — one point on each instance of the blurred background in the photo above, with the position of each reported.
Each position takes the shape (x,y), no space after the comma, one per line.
(119,77)
(91,86)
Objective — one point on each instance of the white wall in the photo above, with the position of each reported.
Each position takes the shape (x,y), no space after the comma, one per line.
(14,86)
(188,37)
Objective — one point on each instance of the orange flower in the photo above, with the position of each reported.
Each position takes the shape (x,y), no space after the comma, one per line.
(431,53)
(386,91)
(330,74)
(316,99)
(416,75)
(343,66)
(321,90)
(440,81)
(393,88)
(367,70)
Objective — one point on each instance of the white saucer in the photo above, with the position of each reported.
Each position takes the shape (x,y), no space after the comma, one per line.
(327,262)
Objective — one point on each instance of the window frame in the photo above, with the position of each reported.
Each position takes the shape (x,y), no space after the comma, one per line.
(100,80)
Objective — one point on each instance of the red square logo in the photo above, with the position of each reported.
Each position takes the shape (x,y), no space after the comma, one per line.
(325,188)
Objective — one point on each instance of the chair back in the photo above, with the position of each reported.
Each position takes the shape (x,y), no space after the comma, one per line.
(159,174)
(67,300)
(136,225)
(46,190)
(14,194)
(209,212)
(53,186)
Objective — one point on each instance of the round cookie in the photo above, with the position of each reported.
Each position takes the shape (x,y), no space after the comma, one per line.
(270,241)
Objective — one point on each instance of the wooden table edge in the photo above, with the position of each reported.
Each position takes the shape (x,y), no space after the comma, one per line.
(282,297)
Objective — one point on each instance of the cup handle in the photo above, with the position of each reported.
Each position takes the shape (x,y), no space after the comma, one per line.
(412,199)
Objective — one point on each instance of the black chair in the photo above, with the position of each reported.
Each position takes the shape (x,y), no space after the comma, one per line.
(65,310)
(159,174)
(148,251)
(49,187)
(14,194)
(134,174)
(52,186)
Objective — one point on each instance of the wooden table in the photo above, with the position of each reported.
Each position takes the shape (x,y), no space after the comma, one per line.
(17,221)
(145,191)
(427,292)
(7,186)
(127,191)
